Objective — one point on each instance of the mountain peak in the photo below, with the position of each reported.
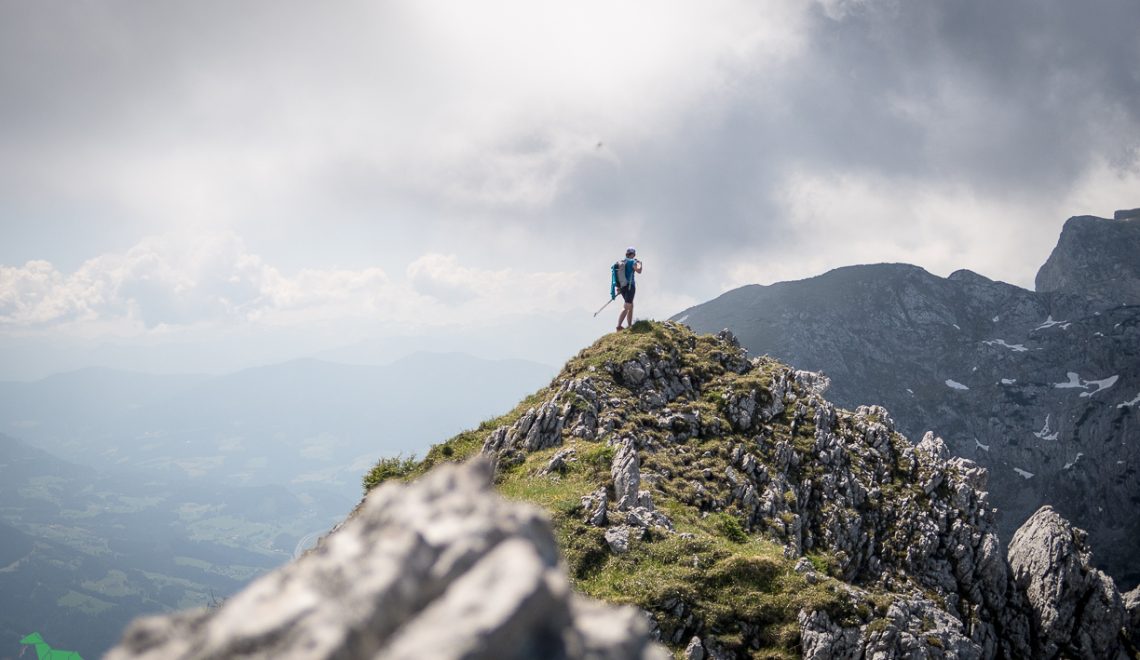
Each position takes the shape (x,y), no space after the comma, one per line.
(967,275)
(738,507)
(1095,258)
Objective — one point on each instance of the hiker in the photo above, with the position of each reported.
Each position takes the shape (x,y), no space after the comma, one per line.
(625,270)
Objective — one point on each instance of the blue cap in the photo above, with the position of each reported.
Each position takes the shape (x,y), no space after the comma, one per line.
(631,250)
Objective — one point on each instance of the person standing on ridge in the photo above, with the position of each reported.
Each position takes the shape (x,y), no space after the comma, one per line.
(625,270)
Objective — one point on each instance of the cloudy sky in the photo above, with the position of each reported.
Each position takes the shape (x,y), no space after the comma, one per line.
(181,171)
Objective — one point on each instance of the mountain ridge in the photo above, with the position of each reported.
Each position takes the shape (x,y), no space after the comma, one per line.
(986,365)
(724,496)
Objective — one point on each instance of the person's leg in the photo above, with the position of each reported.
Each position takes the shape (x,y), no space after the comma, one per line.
(621,317)
(629,294)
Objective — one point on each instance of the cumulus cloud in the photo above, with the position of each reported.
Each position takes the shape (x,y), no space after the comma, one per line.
(171,281)
(158,281)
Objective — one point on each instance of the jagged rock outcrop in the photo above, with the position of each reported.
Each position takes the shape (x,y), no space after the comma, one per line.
(1041,388)
(895,518)
(574,407)
(1131,602)
(444,568)
(910,628)
(1076,609)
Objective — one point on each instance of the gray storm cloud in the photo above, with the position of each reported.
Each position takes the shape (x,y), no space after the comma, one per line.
(1009,100)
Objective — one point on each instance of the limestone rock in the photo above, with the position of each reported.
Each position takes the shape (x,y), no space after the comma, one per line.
(594,505)
(1076,609)
(918,628)
(442,568)
(574,407)
(823,639)
(633,373)
(695,651)
(626,474)
(814,382)
(560,462)
(1132,607)
(617,538)
(910,628)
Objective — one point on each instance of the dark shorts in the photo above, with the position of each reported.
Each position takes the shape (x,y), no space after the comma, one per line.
(627,293)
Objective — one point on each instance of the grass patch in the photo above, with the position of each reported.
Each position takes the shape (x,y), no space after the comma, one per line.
(599,456)
(733,589)
(397,467)
(729,527)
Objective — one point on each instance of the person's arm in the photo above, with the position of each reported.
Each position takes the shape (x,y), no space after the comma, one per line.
(637,265)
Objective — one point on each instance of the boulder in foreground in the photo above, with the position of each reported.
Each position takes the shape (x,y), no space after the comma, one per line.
(443,568)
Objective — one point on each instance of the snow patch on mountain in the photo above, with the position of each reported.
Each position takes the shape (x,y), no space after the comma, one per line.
(1074,461)
(1016,348)
(1102,384)
(1049,323)
(1044,433)
(1074,382)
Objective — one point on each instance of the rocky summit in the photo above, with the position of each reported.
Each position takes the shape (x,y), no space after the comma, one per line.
(720,504)
(1042,387)
(748,516)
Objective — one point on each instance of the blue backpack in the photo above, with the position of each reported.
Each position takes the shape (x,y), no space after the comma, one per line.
(618,276)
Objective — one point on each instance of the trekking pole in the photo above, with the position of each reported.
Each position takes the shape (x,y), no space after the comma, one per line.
(604,306)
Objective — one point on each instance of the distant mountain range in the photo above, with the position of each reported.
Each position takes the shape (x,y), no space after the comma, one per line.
(301,422)
(543,338)
(1040,387)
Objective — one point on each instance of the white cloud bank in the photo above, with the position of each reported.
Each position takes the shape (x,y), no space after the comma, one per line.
(163,283)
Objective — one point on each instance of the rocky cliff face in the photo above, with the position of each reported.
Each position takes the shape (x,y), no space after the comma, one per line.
(1096,258)
(1076,609)
(1041,388)
(725,497)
